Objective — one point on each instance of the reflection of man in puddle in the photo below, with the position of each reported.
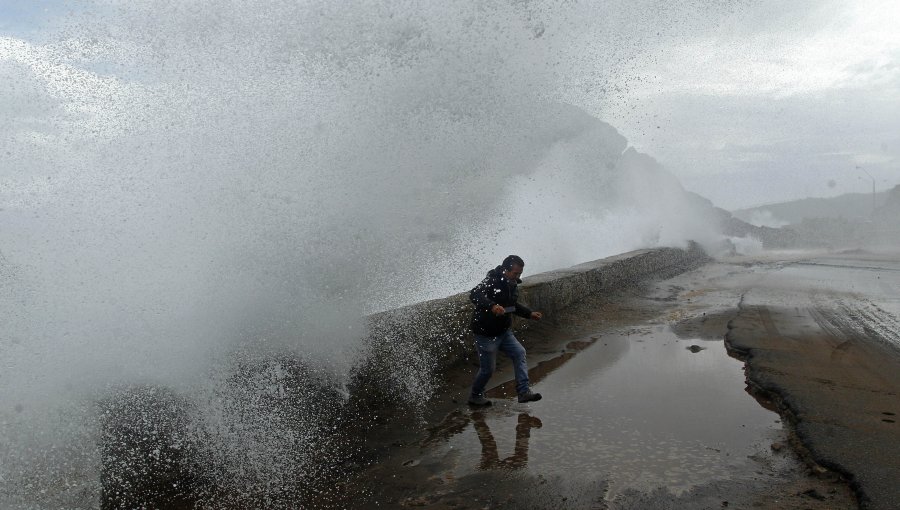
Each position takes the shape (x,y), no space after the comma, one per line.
(495,299)
(490,459)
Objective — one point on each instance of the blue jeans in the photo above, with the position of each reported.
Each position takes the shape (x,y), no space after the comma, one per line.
(487,355)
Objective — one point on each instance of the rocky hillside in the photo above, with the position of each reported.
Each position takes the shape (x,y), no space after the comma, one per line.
(830,230)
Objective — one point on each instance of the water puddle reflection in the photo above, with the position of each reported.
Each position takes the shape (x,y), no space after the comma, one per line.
(639,409)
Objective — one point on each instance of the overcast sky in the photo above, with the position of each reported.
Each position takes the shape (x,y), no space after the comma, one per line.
(747,103)
(775,101)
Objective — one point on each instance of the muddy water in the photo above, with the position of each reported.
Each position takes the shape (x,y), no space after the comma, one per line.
(638,409)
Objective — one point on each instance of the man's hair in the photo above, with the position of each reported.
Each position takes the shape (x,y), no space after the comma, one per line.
(512,260)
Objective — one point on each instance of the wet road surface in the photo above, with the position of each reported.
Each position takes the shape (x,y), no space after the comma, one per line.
(827,349)
(639,410)
(644,408)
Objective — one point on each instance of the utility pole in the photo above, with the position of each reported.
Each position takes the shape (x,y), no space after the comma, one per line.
(873,189)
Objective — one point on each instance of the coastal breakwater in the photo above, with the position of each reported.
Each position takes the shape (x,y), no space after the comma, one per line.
(405,357)
(409,348)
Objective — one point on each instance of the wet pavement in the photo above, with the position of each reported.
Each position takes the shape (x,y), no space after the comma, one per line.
(765,382)
(643,407)
(638,409)
(828,349)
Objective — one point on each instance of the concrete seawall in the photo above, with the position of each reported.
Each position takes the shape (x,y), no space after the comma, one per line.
(405,358)
(409,348)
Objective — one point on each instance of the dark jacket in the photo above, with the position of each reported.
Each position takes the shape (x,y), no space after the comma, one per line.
(495,289)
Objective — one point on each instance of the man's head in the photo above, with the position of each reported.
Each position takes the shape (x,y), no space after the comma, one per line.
(512,267)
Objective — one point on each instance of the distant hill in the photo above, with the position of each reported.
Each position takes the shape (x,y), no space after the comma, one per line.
(850,206)
(889,211)
(842,222)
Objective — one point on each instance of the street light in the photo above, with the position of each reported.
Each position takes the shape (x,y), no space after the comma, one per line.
(873,189)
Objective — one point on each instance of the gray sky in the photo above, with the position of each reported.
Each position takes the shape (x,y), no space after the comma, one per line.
(747,103)
(776,101)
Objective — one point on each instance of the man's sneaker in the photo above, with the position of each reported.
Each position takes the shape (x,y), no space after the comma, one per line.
(479,400)
(529,396)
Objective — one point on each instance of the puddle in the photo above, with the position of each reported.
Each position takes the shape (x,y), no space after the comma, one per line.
(639,410)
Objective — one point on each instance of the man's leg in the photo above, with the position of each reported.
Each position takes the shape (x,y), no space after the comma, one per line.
(487,361)
(512,348)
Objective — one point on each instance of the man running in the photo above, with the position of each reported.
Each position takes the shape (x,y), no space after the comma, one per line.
(495,299)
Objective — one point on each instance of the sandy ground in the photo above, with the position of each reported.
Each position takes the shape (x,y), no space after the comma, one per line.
(644,408)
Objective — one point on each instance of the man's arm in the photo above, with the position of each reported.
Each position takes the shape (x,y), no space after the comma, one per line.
(479,295)
(523,311)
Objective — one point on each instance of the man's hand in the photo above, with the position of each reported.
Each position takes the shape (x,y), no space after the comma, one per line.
(498,310)
(536,316)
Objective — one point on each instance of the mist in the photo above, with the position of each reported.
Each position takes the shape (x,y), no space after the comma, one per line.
(190,184)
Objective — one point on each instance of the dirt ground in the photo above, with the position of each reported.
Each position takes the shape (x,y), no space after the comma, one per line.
(644,408)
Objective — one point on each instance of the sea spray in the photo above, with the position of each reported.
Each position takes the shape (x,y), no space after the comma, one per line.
(197,194)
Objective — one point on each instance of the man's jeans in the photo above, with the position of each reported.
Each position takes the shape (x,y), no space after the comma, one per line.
(487,355)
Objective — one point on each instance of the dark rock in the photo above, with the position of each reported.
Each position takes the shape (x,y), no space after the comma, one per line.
(156,453)
(144,447)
